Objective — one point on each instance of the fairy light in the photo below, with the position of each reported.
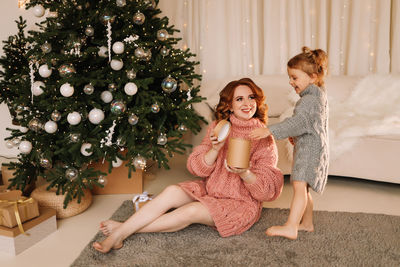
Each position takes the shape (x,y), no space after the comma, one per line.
(372,21)
(341,53)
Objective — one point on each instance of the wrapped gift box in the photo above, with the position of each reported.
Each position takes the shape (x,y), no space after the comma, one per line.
(27,208)
(12,241)
(140,199)
(118,181)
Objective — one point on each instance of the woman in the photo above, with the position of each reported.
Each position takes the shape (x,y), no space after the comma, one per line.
(228,199)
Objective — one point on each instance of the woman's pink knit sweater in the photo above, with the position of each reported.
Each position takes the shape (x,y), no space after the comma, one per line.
(234,204)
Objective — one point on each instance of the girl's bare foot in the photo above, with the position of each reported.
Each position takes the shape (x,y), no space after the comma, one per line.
(306,227)
(287,231)
(107,244)
(108,227)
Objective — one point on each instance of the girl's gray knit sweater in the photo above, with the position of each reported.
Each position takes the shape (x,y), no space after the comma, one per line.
(309,128)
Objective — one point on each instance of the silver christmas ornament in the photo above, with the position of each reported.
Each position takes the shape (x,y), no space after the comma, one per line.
(155,108)
(130,74)
(162,35)
(9,144)
(162,139)
(102,180)
(147,54)
(182,128)
(133,119)
(66,70)
(88,89)
(89,31)
(46,47)
(75,137)
(45,163)
(149,3)
(56,115)
(139,53)
(35,125)
(71,174)
(164,51)
(120,3)
(118,107)
(139,162)
(169,85)
(139,18)
(107,17)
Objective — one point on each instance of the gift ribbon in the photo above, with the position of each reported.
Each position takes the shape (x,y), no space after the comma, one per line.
(140,198)
(22,200)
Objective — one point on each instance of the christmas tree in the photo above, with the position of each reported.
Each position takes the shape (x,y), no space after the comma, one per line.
(100,80)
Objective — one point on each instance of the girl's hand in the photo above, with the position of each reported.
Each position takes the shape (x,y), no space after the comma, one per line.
(233,169)
(291,140)
(215,144)
(260,133)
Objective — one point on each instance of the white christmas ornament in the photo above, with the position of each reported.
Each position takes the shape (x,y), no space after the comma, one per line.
(66,90)
(23,129)
(116,64)
(44,71)
(50,127)
(37,88)
(9,144)
(96,116)
(25,147)
(106,96)
(130,88)
(118,47)
(84,147)
(74,118)
(117,162)
(38,11)
(103,51)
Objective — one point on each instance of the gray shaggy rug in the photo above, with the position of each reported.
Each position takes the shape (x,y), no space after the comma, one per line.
(340,239)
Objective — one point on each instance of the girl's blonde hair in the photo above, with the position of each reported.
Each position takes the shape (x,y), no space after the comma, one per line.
(311,62)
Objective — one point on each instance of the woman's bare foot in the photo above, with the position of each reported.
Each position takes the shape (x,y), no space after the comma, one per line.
(108,227)
(306,227)
(107,244)
(287,231)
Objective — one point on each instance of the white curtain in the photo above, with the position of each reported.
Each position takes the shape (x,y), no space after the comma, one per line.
(247,37)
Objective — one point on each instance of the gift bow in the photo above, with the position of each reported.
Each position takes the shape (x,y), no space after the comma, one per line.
(22,200)
(140,198)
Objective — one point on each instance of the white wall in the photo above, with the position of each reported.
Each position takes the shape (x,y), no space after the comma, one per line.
(9,12)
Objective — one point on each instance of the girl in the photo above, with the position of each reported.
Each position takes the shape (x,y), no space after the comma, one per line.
(308,130)
(228,199)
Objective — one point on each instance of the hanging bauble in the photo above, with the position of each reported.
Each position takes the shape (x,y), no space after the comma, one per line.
(102,180)
(118,107)
(50,127)
(133,119)
(164,51)
(85,147)
(130,74)
(45,163)
(120,3)
(89,31)
(25,147)
(9,144)
(103,51)
(38,11)
(112,87)
(162,35)
(23,129)
(96,116)
(44,71)
(147,54)
(46,47)
(37,88)
(71,174)
(106,96)
(75,137)
(116,64)
(56,115)
(162,139)
(139,53)
(182,128)
(139,18)
(74,118)
(35,125)
(88,89)
(169,84)
(139,162)
(16,141)
(118,47)
(130,88)
(117,162)
(66,70)
(66,90)
(107,17)
(155,108)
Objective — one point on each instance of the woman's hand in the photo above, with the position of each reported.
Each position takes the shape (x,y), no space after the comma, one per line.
(260,133)
(244,173)
(233,169)
(216,145)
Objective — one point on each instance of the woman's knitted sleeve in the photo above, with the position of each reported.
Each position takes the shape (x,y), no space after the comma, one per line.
(196,163)
(269,183)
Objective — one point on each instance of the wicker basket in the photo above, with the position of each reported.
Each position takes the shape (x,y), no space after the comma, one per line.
(49,198)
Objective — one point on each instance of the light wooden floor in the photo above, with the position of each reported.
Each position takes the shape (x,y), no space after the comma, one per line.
(73,234)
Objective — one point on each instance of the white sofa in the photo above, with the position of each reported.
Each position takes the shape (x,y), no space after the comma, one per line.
(367,155)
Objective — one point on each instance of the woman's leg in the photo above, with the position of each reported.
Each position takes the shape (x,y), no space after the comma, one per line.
(298,205)
(307,220)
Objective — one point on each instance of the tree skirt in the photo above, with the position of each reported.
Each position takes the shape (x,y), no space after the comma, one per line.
(340,239)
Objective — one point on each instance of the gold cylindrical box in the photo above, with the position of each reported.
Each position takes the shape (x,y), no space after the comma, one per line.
(239,153)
